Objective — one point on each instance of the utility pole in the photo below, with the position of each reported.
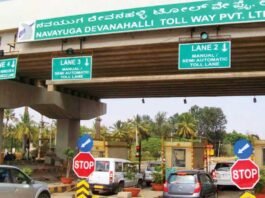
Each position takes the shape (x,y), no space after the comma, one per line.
(40,134)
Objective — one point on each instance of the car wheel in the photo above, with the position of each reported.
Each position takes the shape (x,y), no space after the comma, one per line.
(94,192)
(119,188)
(44,195)
(139,184)
(148,183)
(219,187)
(215,195)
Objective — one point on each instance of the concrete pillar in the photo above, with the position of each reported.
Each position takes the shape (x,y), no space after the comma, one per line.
(1,132)
(68,131)
(97,126)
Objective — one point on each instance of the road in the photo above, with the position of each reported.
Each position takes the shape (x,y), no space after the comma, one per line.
(148,193)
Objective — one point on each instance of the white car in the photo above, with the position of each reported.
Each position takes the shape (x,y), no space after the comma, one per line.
(113,174)
(150,169)
(221,174)
(16,184)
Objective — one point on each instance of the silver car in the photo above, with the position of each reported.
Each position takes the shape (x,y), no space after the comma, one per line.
(221,174)
(16,184)
(150,169)
(189,184)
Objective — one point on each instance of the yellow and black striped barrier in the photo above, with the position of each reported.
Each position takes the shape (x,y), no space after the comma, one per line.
(82,190)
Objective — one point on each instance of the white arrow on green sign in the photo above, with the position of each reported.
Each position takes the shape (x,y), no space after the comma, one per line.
(206,55)
(72,68)
(8,68)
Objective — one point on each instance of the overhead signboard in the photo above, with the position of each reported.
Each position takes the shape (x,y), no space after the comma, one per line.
(8,68)
(206,55)
(199,13)
(72,68)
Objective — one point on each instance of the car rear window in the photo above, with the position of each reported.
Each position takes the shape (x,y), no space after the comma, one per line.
(102,166)
(153,167)
(223,166)
(182,179)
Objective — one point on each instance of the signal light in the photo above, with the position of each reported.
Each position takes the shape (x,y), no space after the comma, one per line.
(138,151)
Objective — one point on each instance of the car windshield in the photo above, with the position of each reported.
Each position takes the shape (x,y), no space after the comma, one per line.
(181,179)
(102,166)
(153,167)
(223,166)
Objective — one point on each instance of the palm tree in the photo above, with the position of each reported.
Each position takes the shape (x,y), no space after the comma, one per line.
(25,130)
(161,126)
(172,121)
(120,130)
(186,126)
(9,115)
(139,127)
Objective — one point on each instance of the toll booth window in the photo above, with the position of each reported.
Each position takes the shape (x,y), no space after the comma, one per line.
(102,166)
(179,158)
(263,157)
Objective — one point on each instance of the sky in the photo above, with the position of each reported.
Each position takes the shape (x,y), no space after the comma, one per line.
(242,114)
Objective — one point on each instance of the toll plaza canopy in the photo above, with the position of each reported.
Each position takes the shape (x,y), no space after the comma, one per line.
(135,52)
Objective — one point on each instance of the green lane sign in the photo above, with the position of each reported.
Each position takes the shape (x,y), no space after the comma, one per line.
(199,13)
(8,68)
(207,55)
(72,68)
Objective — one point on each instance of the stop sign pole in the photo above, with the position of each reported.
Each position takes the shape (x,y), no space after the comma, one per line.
(245,174)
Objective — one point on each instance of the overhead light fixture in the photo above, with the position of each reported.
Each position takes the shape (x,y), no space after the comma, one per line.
(143,100)
(69,51)
(254,99)
(185,101)
(2,53)
(204,36)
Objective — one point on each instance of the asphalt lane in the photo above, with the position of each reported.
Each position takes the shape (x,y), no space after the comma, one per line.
(148,193)
(229,194)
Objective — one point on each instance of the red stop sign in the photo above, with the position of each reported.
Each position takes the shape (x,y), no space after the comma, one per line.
(245,174)
(83,164)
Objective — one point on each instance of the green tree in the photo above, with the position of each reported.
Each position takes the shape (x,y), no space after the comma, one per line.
(25,129)
(186,126)
(9,121)
(152,146)
(160,125)
(231,138)
(104,134)
(139,127)
(211,124)
(120,131)
(172,121)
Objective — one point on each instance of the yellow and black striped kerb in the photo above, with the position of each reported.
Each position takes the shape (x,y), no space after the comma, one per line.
(61,188)
(82,190)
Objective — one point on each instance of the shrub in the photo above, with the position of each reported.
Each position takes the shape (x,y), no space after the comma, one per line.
(261,184)
(27,170)
(158,175)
